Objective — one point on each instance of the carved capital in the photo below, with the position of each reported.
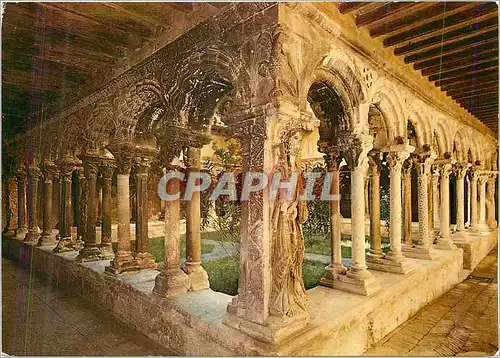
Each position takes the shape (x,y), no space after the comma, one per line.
(67,165)
(21,174)
(333,157)
(374,161)
(407,167)
(482,179)
(124,153)
(357,153)
(460,169)
(423,161)
(397,156)
(34,172)
(107,169)
(49,170)
(445,170)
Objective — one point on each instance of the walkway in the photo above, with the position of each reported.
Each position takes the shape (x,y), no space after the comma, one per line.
(58,323)
(461,322)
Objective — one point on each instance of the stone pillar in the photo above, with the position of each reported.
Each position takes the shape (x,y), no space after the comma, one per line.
(90,250)
(172,280)
(197,275)
(66,166)
(107,168)
(435,200)
(336,266)
(461,171)
(22,228)
(422,246)
(482,203)
(32,195)
(407,217)
(56,200)
(367,201)
(375,235)
(430,205)
(82,196)
(145,153)
(444,240)
(490,202)
(124,260)
(473,202)
(48,236)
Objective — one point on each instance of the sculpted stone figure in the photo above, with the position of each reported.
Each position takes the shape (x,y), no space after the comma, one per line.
(288,294)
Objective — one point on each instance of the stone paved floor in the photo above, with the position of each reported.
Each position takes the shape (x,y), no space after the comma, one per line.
(461,322)
(39,319)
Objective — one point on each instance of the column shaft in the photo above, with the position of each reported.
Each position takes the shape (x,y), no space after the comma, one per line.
(444,240)
(48,237)
(407,216)
(375,235)
(22,228)
(482,202)
(32,193)
(106,244)
(473,202)
(490,197)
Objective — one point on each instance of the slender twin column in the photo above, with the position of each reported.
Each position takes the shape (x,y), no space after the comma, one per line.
(490,197)
(336,266)
(48,236)
(172,280)
(374,161)
(422,246)
(66,166)
(32,192)
(145,153)
(435,200)
(107,168)
(482,203)
(430,204)
(197,275)
(461,171)
(444,240)
(407,214)
(22,228)
(124,261)
(473,201)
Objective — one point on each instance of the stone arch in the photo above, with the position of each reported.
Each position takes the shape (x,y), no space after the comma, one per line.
(422,129)
(460,146)
(344,80)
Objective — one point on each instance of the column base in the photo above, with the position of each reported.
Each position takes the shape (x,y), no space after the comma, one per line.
(20,233)
(360,283)
(419,252)
(473,231)
(198,277)
(106,251)
(122,263)
(460,236)
(146,261)
(89,253)
(64,245)
(47,239)
(171,283)
(276,330)
(483,227)
(330,273)
(492,224)
(445,244)
(398,264)
(32,236)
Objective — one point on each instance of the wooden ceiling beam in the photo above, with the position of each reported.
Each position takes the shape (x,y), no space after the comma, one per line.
(145,21)
(475,68)
(468,45)
(477,76)
(477,89)
(468,16)
(454,65)
(384,13)
(419,18)
(472,84)
(493,103)
(462,33)
(485,107)
(466,55)
(347,7)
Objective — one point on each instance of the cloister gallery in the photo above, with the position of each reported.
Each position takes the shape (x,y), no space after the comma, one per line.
(296,86)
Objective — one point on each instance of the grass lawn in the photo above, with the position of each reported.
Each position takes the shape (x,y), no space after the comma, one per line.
(156,248)
(320,244)
(224,274)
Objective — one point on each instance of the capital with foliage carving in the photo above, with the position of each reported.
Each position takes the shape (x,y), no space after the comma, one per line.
(397,155)
(357,153)
(423,161)
(49,170)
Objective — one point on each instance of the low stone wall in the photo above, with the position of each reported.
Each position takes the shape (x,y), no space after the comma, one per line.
(341,323)
(477,247)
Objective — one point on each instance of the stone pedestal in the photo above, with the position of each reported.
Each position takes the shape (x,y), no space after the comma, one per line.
(48,236)
(444,241)
(22,228)
(197,275)
(33,233)
(421,248)
(124,260)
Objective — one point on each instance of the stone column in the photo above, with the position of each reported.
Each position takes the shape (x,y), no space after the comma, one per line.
(90,250)
(22,228)
(66,166)
(197,275)
(482,203)
(107,168)
(407,217)
(124,260)
(367,201)
(56,200)
(375,235)
(490,202)
(48,236)
(422,247)
(430,205)
(32,193)
(172,280)
(336,266)
(145,153)
(435,200)
(82,196)
(473,202)
(461,171)
(444,240)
